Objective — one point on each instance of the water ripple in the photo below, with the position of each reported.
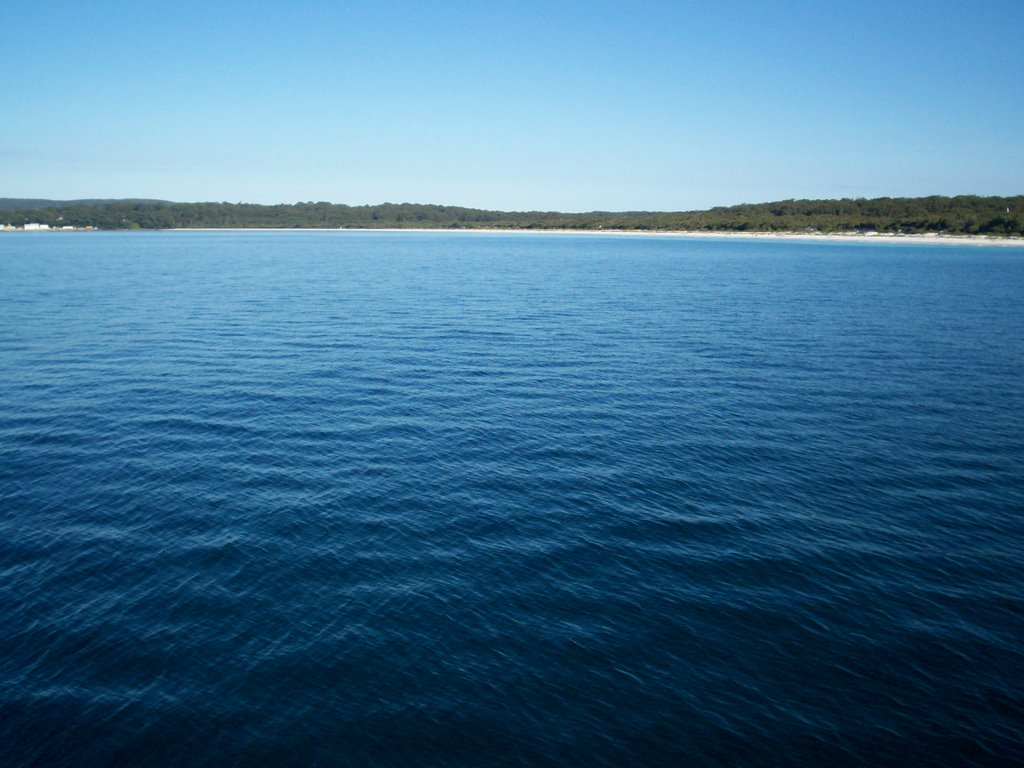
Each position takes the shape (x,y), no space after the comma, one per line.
(343,498)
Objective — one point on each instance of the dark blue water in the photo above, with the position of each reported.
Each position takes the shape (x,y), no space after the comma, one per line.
(432,499)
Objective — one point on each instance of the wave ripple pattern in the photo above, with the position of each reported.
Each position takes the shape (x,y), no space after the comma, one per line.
(436,499)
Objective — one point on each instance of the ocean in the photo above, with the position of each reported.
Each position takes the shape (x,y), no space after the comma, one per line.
(450,499)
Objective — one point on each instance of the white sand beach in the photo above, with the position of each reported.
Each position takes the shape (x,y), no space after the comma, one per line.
(855,237)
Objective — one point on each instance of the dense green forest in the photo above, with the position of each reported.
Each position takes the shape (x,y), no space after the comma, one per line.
(966,214)
(21,203)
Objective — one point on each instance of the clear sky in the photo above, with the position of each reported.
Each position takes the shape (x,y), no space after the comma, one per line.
(528,105)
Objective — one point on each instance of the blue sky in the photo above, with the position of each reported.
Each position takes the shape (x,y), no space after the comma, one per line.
(531,105)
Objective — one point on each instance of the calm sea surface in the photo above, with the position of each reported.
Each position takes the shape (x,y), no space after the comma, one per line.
(437,499)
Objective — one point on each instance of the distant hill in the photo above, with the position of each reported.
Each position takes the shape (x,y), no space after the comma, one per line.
(17,203)
(964,214)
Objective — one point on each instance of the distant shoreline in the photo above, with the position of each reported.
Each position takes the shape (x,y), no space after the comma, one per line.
(962,215)
(855,237)
(850,237)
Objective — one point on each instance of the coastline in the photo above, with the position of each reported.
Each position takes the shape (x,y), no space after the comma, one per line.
(851,237)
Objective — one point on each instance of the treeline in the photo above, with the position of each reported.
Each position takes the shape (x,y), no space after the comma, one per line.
(20,203)
(966,214)
(963,215)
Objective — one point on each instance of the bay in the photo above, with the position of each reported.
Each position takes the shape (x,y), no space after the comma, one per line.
(366,498)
